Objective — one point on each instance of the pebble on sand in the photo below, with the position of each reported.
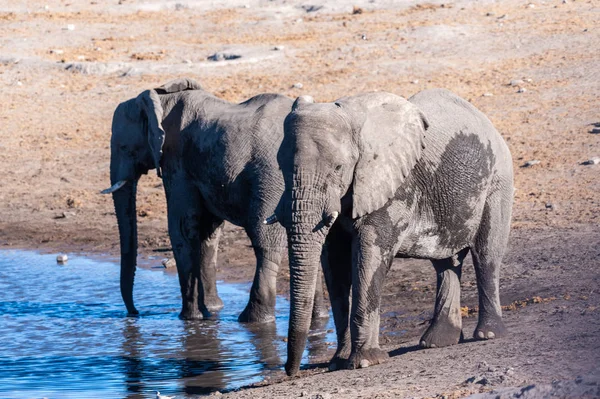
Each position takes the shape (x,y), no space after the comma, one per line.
(297,85)
(530,163)
(169,263)
(592,161)
(62,258)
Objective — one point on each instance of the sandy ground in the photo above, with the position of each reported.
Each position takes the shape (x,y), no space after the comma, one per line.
(65,65)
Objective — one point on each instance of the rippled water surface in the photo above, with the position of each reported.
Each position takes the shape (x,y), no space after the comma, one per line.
(63,334)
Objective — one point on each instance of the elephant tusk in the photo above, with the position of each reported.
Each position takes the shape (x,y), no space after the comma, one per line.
(114,187)
(330,220)
(271,219)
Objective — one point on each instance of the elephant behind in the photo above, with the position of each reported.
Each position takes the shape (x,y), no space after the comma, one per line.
(372,177)
(218,163)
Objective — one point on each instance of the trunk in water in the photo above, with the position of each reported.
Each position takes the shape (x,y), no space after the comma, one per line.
(124,200)
(305,244)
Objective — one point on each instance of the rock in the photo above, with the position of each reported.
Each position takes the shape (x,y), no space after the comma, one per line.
(549,206)
(70,27)
(357,10)
(516,82)
(311,8)
(416,81)
(303,394)
(278,48)
(169,263)
(57,51)
(530,163)
(592,161)
(62,258)
(297,85)
(530,5)
(364,364)
(363,37)
(522,90)
(189,62)
(487,95)
(223,57)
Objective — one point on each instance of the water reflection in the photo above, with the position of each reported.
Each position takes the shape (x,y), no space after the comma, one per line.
(64,334)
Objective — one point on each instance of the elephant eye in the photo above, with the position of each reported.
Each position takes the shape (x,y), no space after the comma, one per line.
(337,168)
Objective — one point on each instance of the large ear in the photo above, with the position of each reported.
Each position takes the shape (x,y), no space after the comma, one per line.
(390,132)
(178,85)
(150,103)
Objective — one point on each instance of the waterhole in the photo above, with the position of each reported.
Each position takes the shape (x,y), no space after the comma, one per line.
(64,334)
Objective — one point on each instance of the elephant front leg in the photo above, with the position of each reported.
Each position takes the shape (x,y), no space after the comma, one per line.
(261,305)
(368,276)
(446,325)
(337,268)
(208,296)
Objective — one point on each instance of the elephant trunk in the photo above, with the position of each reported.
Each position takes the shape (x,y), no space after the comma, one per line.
(306,236)
(125,209)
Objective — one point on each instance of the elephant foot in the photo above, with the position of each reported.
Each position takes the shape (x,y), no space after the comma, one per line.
(367,357)
(213,303)
(255,314)
(133,313)
(340,359)
(191,315)
(490,328)
(441,334)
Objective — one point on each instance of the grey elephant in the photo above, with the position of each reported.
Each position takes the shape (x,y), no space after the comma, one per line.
(218,162)
(372,177)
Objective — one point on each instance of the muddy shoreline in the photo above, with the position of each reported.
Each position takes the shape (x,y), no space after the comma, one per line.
(531,67)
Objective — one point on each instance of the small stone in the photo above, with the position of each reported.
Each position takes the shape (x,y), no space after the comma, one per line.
(70,27)
(357,10)
(530,5)
(364,364)
(223,57)
(299,20)
(530,163)
(169,263)
(278,48)
(521,90)
(189,62)
(297,85)
(529,80)
(218,393)
(416,81)
(19,83)
(592,161)
(487,95)
(81,57)
(63,258)
(57,51)
(489,14)
(516,82)
(303,394)
(363,37)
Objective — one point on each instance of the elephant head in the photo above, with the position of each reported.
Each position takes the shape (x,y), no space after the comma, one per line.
(136,147)
(344,158)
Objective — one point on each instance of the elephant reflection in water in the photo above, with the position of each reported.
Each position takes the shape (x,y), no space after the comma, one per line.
(202,363)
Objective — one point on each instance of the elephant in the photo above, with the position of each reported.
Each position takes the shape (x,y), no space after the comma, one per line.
(218,162)
(374,176)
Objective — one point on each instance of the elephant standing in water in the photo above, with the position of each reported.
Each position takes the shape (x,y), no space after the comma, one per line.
(372,177)
(218,162)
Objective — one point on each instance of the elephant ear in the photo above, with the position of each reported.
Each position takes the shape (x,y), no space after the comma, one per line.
(390,132)
(177,85)
(149,102)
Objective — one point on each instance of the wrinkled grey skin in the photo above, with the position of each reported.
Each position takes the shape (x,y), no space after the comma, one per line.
(427,178)
(218,162)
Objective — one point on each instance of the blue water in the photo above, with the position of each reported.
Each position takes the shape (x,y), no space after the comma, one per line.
(64,334)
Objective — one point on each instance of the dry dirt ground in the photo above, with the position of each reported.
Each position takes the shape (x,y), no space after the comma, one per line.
(65,65)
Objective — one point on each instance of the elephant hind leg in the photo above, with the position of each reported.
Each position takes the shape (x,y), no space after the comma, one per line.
(487,253)
(208,297)
(446,325)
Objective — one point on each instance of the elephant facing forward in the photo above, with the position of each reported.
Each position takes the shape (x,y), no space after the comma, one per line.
(372,177)
(218,162)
